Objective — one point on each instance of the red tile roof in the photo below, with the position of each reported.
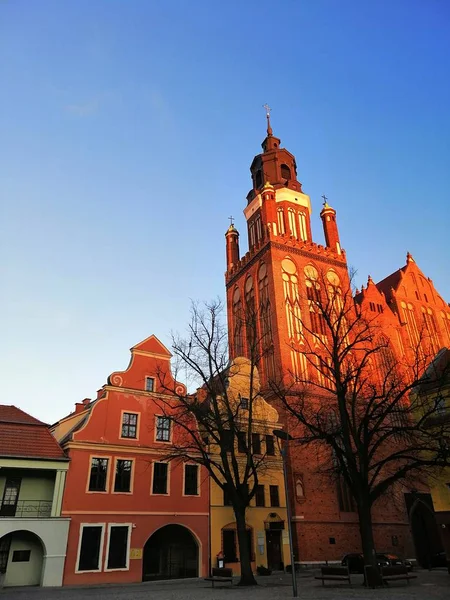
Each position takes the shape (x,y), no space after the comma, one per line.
(21,435)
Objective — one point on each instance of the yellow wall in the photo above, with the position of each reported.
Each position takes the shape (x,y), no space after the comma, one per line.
(256,517)
(440,492)
(265,420)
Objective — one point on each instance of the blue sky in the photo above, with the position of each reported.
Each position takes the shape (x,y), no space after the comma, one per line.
(127,131)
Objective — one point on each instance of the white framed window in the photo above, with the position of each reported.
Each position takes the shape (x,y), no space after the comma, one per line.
(149,384)
(117,555)
(163,429)
(98,474)
(90,544)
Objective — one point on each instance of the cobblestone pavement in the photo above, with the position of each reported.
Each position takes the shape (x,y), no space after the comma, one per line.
(433,585)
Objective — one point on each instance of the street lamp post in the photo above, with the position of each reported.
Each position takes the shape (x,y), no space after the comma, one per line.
(283,435)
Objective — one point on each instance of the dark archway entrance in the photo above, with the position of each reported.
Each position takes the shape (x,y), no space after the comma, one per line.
(424,528)
(170,553)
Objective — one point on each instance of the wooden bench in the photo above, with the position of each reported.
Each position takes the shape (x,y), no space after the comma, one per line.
(222,575)
(334,574)
(395,573)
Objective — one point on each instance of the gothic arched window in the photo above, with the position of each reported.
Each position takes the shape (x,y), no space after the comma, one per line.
(258,179)
(430,326)
(292,300)
(281,227)
(238,319)
(313,294)
(250,315)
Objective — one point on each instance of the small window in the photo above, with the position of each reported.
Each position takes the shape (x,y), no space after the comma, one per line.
(149,384)
(226,495)
(274,496)
(258,179)
(244,403)
(160,478)
(260,499)
(90,548)
(332,540)
(425,296)
(162,429)
(99,472)
(270,446)
(21,556)
(191,480)
(118,547)
(229,545)
(242,442)
(122,481)
(129,425)
(256,443)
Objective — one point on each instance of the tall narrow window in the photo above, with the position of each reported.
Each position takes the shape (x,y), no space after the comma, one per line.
(10,497)
(229,545)
(299,365)
(98,476)
(191,480)
(315,307)
(303,230)
(129,425)
(149,384)
(430,326)
(292,223)
(250,317)
(242,442)
(265,320)
(238,321)
(162,429)
(89,559)
(446,326)
(260,499)
(292,299)
(258,228)
(160,471)
(270,445)
(227,496)
(118,547)
(256,443)
(274,496)
(345,498)
(409,318)
(281,226)
(122,480)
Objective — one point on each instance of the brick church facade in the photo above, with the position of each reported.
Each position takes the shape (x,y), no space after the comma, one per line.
(273,277)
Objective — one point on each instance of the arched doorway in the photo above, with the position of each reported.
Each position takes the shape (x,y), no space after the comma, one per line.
(170,553)
(423,527)
(21,559)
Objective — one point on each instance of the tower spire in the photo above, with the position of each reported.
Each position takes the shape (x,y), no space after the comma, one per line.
(269,127)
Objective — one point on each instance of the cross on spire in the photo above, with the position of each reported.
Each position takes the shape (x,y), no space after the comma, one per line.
(268,110)
(324,198)
(231,220)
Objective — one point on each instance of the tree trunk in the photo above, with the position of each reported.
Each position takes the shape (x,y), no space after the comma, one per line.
(367,541)
(247,577)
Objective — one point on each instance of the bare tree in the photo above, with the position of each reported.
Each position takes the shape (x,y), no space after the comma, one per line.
(362,407)
(215,425)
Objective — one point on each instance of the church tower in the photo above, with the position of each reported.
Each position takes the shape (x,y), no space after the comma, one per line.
(274,274)
(278,280)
